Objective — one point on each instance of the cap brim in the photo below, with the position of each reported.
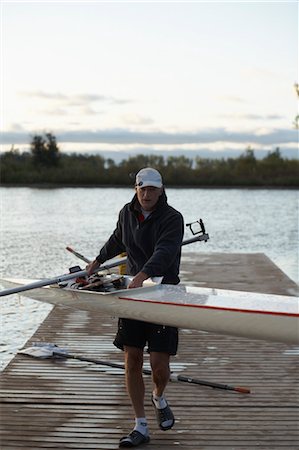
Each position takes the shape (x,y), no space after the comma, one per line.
(155,184)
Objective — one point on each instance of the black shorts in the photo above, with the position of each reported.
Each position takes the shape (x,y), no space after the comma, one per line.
(135,333)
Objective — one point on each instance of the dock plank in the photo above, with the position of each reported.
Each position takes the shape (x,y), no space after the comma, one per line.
(69,404)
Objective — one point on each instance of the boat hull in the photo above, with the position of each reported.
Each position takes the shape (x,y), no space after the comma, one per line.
(234,313)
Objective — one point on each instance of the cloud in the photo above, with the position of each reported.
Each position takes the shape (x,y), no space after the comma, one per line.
(136,119)
(85,110)
(76,99)
(233,99)
(252,116)
(58,104)
(55,112)
(126,137)
(15,127)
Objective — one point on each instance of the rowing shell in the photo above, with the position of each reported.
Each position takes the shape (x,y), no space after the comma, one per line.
(234,313)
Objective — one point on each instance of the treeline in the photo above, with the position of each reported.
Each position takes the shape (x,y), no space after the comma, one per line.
(46,165)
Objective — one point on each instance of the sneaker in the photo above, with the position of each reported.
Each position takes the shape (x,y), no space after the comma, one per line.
(165,417)
(133,440)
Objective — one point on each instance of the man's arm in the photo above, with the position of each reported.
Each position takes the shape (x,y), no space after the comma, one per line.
(111,248)
(92,267)
(167,247)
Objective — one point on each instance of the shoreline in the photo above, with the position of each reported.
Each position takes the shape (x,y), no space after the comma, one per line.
(60,185)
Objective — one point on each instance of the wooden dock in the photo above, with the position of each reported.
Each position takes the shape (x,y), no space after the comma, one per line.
(69,404)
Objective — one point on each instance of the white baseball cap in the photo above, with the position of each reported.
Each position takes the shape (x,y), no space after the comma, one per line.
(149,177)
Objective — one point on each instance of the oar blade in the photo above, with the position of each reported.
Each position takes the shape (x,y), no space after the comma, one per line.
(43,350)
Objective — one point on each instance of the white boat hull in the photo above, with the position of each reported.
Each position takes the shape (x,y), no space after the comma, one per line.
(234,313)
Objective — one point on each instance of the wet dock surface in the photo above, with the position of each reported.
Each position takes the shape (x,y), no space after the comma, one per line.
(65,404)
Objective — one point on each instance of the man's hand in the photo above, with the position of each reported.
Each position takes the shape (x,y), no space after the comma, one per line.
(92,267)
(138,280)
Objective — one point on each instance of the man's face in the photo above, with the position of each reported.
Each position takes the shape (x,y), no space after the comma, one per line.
(148,197)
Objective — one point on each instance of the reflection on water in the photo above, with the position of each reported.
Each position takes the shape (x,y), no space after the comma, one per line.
(20,318)
(37,225)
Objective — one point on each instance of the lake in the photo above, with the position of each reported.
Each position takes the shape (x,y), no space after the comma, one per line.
(37,225)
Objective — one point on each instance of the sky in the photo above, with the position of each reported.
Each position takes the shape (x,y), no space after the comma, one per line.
(144,76)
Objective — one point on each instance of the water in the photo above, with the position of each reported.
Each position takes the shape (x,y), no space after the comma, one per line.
(37,225)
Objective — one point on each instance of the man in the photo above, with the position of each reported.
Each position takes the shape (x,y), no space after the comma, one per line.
(150,232)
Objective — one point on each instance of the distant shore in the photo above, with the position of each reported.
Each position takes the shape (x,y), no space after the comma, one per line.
(45,168)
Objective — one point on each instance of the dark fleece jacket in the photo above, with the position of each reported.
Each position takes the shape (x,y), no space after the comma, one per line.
(153,246)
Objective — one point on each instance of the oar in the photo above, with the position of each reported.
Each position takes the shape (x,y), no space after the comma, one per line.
(83,258)
(172,377)
(242,390)
(81,273)
(202,237)
(58,279)
(48,350)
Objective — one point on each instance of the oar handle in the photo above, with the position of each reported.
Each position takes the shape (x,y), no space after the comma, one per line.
(211,384)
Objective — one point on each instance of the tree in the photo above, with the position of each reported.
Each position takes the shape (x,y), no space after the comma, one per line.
(44,150)
(274,156)
(296,121)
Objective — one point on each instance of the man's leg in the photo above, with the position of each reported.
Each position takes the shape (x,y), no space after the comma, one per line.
(135,388)
(160,375)
(160,370)
(134,378)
